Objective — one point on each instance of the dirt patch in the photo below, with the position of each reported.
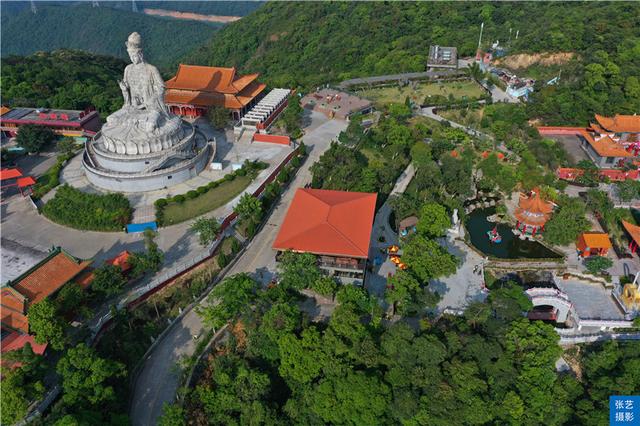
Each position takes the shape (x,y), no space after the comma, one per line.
(525,60)
(191,16)
(276,37)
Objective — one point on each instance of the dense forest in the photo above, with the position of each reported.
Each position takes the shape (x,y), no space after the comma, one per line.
(489,367)
(307,44)
(62,79)
(101,30)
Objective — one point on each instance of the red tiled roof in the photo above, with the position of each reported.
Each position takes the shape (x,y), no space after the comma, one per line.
(48,276)
(532,209)
(17,340)
(12,309)
(633,230)
(10,174)
(619,123)
(26,181)
(328,222)
(605,146)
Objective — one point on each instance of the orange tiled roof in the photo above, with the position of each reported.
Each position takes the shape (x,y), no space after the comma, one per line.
(4,110)
(121,260)
(208,99)
(532,209)
(596,240)
(619,123)
(336,223)
(16,341)
(209,79)
(13,308)
(605,146)
(48,276)
(633,230)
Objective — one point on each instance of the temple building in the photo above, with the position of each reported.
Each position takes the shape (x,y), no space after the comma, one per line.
(333,225)
(62,122)
(623,129)
(603,150)
(194,89)
(532,212)
(593,244)
(38,283)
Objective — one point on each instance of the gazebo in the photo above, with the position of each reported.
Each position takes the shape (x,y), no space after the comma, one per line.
(532,212)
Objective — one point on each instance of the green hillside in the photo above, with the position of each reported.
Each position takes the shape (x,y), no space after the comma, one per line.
(101,30)
(296,43)
(62,79)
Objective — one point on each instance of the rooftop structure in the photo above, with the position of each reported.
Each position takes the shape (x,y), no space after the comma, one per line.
(194,89)
(335,104)
(264,113)
(532,212)
(335,225)
(48,276)
(62,122)
(36,284)
(13,341)
(619,123)
(442,57)
(603,150)
(634,235)
(613,175)
(593,244)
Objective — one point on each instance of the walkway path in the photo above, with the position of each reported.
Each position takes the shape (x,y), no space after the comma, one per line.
(158,379)
(399,77)
(376,281)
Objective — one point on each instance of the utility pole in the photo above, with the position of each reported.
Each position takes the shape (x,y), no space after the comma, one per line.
(480,39)
(34,9)
(134,7)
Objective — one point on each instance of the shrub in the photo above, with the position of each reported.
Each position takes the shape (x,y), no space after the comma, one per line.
(192,194)
(283,176)
(251,229)
(235,246)
(222,260)
(229,177)
(202,189)
(178,199)
(77,209)
(161,202)
(296,161)
(213,184)
(241,172)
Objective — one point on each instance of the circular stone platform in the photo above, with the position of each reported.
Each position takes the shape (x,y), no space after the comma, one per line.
(147,172)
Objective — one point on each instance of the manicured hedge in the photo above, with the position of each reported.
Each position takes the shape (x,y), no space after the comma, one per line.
(74,208)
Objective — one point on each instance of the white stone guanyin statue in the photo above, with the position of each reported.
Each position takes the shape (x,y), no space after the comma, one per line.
(144,123)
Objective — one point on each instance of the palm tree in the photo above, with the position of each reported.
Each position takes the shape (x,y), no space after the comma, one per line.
(475,72)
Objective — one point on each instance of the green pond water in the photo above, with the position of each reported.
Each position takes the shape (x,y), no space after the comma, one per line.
(511,246)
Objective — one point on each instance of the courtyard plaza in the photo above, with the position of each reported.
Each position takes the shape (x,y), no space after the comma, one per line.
(227,152)
(27,230)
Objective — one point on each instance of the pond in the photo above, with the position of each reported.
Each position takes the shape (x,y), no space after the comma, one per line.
(511,246)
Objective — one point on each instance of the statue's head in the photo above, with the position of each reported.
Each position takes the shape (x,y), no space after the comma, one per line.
(134,48)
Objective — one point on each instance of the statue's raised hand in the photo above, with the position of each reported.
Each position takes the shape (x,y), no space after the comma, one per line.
(124,87)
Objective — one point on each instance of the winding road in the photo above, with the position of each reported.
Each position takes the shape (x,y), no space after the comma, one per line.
(159,378)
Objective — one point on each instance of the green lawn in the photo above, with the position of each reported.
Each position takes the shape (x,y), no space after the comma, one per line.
(211,200)
(394,94)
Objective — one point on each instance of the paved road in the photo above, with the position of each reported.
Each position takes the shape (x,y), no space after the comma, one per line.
(158,379)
